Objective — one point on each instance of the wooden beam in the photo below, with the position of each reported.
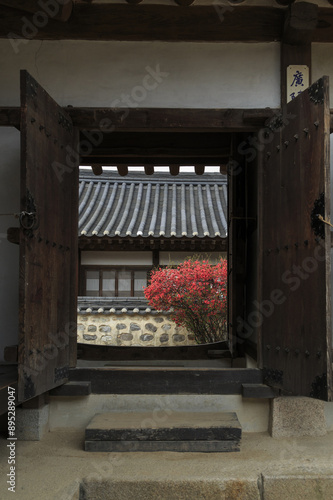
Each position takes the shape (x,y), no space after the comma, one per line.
(143,160)
(149,169)
(128,353)
(167,151)
(59,11)
(122,170)
(157,119)
(199,169)
(174,170)
(160,119)
(112,21)
(97,169)
(166,380)
(300,23)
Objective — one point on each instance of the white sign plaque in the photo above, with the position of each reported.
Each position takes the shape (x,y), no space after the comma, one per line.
(297,80)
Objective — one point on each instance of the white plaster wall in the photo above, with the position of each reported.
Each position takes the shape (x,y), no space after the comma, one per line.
(96,73)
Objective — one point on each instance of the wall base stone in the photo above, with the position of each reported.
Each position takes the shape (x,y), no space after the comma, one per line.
(32,424)
(297,416)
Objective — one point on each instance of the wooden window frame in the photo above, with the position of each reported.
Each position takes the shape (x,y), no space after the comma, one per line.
(132,269)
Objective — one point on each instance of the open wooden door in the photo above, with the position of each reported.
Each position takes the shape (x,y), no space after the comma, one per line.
(294,309)
(48,242)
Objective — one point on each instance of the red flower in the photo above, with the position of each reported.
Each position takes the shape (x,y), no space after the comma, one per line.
(197,294)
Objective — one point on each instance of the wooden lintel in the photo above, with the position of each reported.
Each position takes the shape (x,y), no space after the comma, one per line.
(300,24)
(58,11)
(160,119)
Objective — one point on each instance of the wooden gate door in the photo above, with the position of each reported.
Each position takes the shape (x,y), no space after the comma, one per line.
(48,242)
(294,310)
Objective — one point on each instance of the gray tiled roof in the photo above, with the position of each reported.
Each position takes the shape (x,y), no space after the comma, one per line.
(159,206)
(115,305)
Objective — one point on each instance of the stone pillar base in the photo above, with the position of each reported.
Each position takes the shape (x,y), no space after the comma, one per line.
(297,416)
(32,424)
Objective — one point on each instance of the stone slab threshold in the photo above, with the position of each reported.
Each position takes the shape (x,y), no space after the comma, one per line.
(58,468)
(205,432)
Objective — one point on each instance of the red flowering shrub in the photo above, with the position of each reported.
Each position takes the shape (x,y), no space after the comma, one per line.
(196,293)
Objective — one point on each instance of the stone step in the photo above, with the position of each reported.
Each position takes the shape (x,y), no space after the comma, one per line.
(178,431)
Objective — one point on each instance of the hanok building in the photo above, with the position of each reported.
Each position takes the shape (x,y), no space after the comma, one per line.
(116,84)
(128,226)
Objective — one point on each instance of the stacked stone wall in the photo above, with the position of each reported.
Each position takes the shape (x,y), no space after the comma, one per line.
(131,330)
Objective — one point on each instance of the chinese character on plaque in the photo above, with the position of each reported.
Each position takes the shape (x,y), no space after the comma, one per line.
(297,80)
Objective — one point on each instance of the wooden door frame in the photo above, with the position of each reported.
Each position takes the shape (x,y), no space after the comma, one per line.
(162,120)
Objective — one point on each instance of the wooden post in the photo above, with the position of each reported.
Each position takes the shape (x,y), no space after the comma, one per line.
(300,23)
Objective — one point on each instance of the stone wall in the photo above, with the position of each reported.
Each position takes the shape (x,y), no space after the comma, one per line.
(131,330)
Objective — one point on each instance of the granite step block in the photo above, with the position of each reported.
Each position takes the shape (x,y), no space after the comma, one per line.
(179,431)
